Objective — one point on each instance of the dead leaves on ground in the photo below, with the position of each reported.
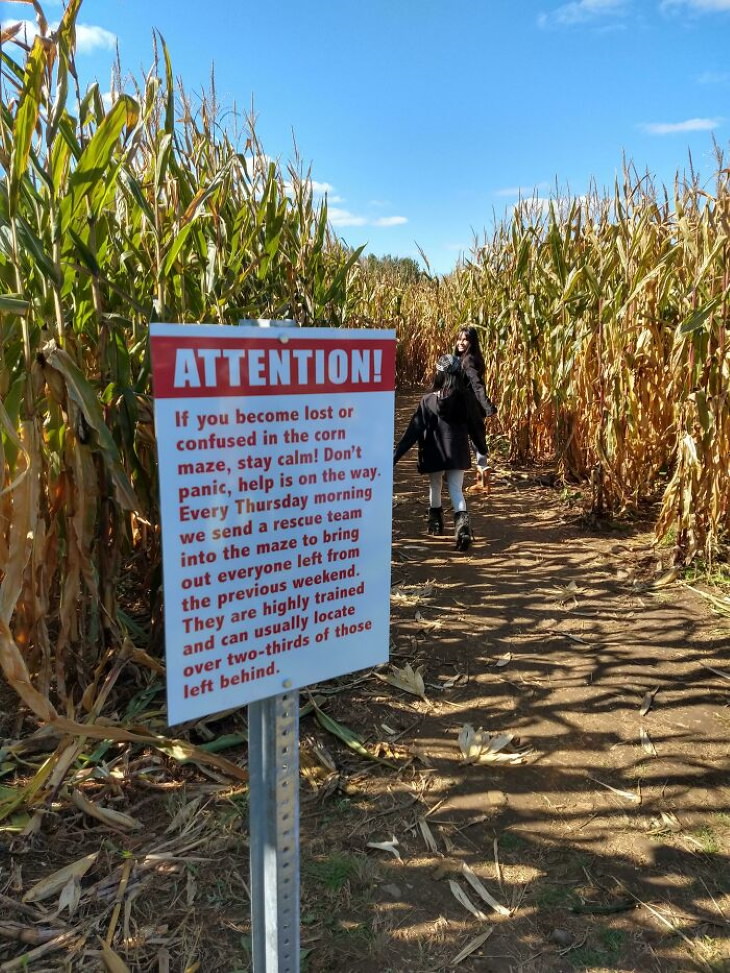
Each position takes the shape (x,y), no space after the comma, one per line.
(478,746)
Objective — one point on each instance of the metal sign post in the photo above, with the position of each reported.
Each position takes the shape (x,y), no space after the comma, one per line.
(273,749)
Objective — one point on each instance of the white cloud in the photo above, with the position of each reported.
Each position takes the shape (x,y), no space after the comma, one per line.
(342,217)
(581,12)
(390,221)
(89,38)
(674,128)
(698,6)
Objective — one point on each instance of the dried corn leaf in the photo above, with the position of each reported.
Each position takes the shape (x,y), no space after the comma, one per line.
(428,835)
(113,962)
(477,746)
(666,580)
(408,679)
(719,672)
(671,821)
(476,884)
(58,880)
(109,816)
(472,946)
(184,817)
(626,795)
(461,897)
(69,897)
(389,846)
(648,701)
(646,743)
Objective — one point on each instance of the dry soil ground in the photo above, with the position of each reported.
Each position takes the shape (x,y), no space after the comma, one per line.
(600,830)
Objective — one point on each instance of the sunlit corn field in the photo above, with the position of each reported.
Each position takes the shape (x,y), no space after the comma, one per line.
(603,320)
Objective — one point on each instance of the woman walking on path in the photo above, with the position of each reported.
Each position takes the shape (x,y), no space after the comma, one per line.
(445,420)
(469,353)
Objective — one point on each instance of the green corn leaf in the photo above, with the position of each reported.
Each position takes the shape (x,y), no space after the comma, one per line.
(10,304)
(79,389)
(26,119)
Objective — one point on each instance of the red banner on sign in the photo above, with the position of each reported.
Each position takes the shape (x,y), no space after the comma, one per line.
(203,367)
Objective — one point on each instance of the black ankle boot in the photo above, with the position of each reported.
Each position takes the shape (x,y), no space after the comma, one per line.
(435,521)
(462,531)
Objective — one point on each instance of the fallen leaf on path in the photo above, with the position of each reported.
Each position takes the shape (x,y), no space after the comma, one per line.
(461,897)
(719,672)
(627,795)
(646,743)
(647,701)
(389,846)
(428,835)
(408,679)
(476,884)
(666,579)
(479,747)
(472,946)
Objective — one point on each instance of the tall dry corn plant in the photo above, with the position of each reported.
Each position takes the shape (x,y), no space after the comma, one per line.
(111,217)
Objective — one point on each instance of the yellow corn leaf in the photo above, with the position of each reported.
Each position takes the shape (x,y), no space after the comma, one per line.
(113,962)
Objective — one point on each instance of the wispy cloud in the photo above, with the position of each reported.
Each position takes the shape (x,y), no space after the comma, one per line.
(510,191)
(389,221)
(714,77)
(581,12)
(697,6)
(675,128)
(88,37)
(340,217)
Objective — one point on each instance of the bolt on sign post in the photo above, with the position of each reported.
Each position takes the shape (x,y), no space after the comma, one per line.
(276,479)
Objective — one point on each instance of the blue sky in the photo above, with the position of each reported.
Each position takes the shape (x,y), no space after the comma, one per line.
(423,119)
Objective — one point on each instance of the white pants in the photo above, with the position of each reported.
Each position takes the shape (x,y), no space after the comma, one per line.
(455,483)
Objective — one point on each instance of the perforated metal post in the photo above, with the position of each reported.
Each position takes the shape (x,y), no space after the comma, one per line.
(273,748)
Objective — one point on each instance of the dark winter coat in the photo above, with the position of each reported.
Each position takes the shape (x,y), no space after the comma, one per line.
(474,370)
(442,427)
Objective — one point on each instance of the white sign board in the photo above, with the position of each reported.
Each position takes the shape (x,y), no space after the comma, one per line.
(275,464)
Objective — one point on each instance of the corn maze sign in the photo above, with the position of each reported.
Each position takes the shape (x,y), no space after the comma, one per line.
(275,465)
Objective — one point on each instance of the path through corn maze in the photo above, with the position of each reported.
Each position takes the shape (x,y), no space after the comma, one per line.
(538,781)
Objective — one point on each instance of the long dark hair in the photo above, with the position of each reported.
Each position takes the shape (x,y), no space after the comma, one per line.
(472,336)
(448,383)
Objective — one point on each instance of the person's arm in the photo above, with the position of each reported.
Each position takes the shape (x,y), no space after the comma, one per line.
(411,436)
(475,425)
(480,393)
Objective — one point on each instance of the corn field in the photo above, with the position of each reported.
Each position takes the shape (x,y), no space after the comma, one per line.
(113,215)
(603,321)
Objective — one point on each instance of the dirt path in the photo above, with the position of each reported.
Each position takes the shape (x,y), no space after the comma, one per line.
(602,850)
(609,848)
